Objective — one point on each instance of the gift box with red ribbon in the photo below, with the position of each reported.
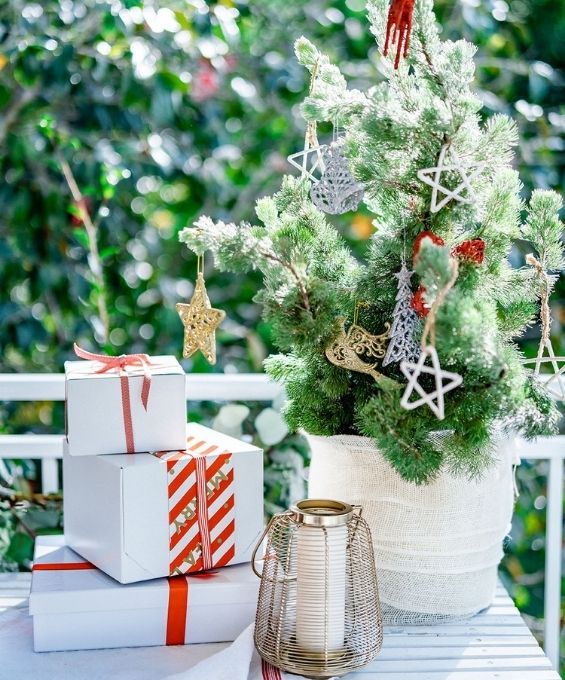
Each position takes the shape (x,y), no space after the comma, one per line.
(76,606)
(166,513)
(129,403)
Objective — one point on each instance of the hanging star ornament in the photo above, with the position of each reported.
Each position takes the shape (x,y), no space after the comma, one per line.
(463,193)
(553,383)
(200,321)
(308,161)
(434,399)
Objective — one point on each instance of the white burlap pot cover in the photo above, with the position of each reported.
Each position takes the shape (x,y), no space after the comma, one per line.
(437,546)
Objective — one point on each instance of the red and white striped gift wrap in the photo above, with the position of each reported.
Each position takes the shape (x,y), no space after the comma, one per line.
(201,506)
(165,513)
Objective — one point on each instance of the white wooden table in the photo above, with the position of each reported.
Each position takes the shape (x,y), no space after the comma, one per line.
(495,645)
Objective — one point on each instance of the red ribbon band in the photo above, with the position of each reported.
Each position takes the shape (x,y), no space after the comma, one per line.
(121,364)
(202,512)
(176,612)
(62,566)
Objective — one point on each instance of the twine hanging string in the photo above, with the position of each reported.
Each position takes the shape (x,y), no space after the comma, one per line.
(545,313)
(554,385)
(311,138)
(430,325)
(358,305)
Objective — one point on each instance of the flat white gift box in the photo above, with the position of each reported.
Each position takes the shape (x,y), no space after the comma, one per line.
(140,517)
(83,608)
(95,417)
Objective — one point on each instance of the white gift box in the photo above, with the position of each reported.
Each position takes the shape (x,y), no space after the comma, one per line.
(152,515)
(76,606)
(101,400)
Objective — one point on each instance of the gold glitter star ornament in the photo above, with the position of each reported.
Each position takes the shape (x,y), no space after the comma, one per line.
(200,321)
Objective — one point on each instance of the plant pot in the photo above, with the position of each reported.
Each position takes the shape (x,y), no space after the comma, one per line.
(437,546)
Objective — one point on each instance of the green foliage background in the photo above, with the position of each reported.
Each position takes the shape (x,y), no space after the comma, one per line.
(163,111)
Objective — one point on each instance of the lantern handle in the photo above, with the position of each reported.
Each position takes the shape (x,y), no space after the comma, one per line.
(358,512)
(261,539)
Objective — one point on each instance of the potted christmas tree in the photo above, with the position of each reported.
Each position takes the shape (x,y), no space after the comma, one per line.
(402,369)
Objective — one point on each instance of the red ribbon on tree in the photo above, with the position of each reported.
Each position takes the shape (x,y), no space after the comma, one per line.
(418,303)
(434,238)
(398,28)
(472,251)
(120,364)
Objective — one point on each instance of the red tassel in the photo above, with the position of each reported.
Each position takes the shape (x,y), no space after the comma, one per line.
(398,28)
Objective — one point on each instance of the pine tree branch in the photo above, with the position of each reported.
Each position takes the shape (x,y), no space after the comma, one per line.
(292,269)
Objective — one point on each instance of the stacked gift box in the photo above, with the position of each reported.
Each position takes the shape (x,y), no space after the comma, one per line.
(161,517)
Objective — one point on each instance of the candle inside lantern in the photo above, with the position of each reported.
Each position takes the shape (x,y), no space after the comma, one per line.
(321,587)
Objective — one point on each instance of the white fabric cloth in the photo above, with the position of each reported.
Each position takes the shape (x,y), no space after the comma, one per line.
(18,661)
(238,661)
(438,545)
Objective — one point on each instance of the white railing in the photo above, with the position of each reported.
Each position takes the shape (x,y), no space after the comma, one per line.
(257,387)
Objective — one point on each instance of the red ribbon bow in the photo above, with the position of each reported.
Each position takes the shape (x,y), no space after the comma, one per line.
(121,364)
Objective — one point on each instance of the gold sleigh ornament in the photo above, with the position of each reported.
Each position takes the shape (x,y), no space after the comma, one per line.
(200,320)
(349,349)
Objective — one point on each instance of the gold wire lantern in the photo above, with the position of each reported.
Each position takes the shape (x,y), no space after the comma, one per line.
(318,612)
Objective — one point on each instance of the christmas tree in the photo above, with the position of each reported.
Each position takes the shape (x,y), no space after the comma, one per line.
(443,194)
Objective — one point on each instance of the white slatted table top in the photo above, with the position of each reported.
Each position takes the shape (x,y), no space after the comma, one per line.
(495,645)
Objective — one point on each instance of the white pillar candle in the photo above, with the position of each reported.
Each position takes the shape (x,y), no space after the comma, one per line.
(320,588)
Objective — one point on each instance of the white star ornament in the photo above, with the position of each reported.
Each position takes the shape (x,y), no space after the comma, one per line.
(434,399)
(432,177)
(554,383)
(312,155)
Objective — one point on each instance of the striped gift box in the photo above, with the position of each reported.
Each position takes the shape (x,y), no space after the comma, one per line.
(166,513)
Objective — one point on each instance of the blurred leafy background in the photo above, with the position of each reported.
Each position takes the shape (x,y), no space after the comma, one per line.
(122,121)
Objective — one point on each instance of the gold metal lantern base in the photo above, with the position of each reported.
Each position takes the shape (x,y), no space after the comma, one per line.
(318,662)
(318,613)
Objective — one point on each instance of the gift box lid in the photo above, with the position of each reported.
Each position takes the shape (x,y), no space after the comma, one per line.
(160,365)
(59,585)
